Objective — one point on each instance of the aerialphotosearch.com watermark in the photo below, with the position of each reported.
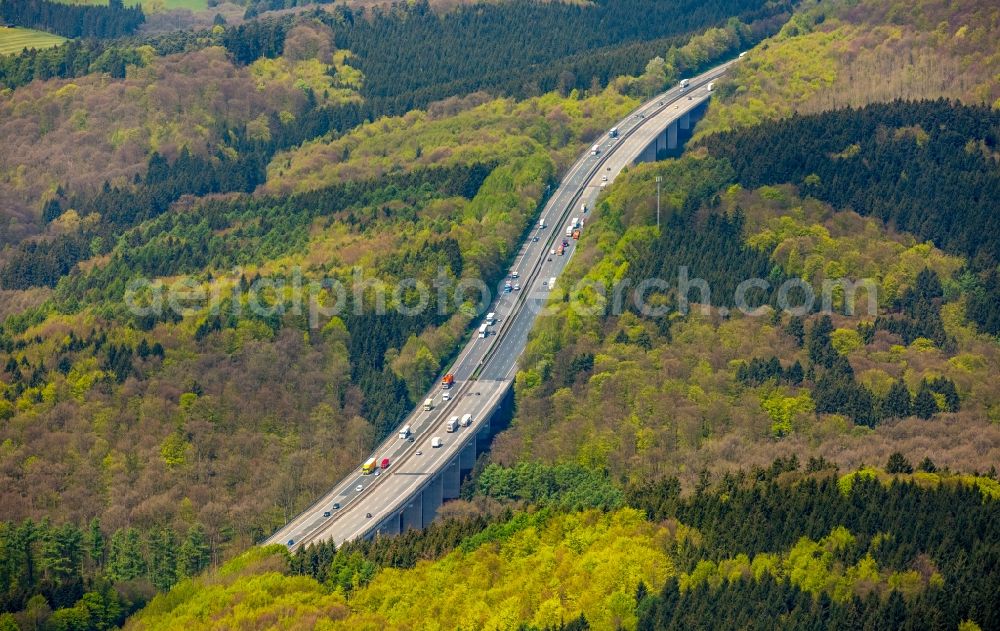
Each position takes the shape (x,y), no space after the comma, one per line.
(361,294)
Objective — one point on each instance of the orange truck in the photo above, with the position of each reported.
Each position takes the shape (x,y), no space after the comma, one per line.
(560,251)
(576,234)
(448,381)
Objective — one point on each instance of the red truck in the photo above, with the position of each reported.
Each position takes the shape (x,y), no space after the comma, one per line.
(448,381)
(385,463)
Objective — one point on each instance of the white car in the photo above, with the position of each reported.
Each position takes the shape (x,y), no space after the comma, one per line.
(517,287)
(552,252)
(446,396)
(604,178)
(359,488)
(515,275)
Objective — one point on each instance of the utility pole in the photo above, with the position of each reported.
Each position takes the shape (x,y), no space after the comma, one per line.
(659,178)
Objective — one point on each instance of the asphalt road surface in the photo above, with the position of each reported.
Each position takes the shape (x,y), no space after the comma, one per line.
(486,366)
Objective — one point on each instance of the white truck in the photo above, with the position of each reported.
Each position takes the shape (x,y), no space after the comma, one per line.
(569,231)
(428,405)
(711,86)
(596,149)
(466,420)
(452,424)
(685,83)
(483,330)
(404,433)
(436,442)
(491,318)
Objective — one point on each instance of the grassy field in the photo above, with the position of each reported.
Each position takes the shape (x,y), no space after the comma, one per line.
(14,39)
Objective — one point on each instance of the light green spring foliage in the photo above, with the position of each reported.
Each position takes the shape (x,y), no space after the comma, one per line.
(543,571)
(846,481)
(252,591)
(785,409)
(666,406)
(597,558)
(809,241)
(92,127)
(812,566)
(847,52)
(454,131)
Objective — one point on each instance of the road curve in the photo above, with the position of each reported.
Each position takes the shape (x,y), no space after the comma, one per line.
(485,368)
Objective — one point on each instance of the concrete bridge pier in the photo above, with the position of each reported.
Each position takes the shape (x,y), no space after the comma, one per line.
(483,436)
(388,527)
(412,517)
(468,457)
(452,479)
(672,135)
(685,121)
(431,499)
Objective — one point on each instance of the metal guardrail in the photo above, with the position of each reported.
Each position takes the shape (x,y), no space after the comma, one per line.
(515,309)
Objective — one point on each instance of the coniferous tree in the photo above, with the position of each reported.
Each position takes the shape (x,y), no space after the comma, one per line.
(796,329)
(821,349)
(927,465)
(898,464)
(95,543)
(795,373)
(195,553)
(162,546)
(126,558)
(897,402)
(946,388)
(924,404)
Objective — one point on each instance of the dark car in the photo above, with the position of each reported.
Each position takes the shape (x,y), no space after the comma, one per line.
(291,542)
(336,506)
(326,513)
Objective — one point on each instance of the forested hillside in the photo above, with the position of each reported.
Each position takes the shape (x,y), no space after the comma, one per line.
(926,168)
(840,53)
(76,366)
(790,543)
(110,20)
(178,210)
(326,54)
(638,395)
(130,443)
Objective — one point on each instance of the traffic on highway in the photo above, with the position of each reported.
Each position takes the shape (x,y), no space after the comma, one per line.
(462,400)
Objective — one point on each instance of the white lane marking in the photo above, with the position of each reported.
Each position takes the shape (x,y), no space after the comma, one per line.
(562,191)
